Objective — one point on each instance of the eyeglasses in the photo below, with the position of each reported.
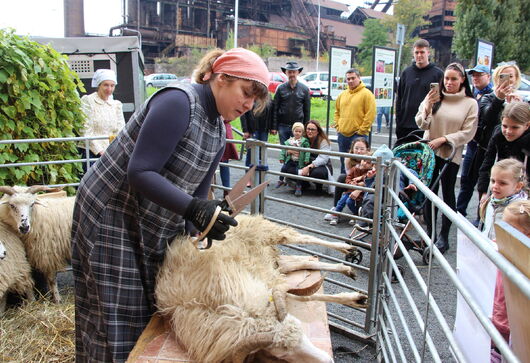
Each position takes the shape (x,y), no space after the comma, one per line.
(310,129)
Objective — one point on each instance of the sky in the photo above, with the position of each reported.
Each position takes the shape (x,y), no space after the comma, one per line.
(45,17)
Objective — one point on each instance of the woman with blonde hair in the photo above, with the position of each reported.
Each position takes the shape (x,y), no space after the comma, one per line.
(149,186)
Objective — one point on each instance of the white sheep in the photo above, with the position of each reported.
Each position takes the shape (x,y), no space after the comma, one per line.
(15,271)
(229,301)
(44,226)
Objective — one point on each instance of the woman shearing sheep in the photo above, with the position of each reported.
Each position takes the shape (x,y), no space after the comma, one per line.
(139,195)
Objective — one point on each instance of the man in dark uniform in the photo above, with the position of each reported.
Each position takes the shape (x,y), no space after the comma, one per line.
(292,103)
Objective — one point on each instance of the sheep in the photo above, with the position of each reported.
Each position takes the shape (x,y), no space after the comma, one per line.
(44,226)
(15,271)
(219,300)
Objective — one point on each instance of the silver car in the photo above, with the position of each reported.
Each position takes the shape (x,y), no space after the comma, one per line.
(159,79)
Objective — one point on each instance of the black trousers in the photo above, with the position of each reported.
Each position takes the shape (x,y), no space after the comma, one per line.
(448,181)
(339,191)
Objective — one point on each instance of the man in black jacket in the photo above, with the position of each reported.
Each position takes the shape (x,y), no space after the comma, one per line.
(413,87)
(292,103)
(257,126)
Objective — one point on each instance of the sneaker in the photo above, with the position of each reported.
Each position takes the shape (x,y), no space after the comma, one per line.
(298,191)
(279,184)
(329,216)
(334,221)
(351,222)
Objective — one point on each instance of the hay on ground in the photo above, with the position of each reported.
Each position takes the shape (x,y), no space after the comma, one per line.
(39,332)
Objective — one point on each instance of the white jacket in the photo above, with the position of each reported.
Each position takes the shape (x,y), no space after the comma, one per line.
(101,118)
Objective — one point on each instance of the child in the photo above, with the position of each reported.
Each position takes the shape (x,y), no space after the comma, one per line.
(359,146)
(510,139)
(353,198)
(517,214)
(294,160)
(507,185)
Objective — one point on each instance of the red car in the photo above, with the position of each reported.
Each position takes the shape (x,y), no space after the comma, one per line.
(276,78)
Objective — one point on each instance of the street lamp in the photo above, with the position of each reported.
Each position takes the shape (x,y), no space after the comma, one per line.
(236,18)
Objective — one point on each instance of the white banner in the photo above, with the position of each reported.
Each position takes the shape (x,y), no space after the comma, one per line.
(477,273)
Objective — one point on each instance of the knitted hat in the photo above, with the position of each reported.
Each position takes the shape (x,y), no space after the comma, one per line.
(242,63)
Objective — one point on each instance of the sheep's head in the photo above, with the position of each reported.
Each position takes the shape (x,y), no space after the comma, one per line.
(3,251)
(20,201)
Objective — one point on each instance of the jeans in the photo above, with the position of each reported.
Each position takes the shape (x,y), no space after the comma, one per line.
(380,112)
(404,181)
(345,200)
(224,171)
(258,135)
(468,178)
(448,181)
(344,146)
(284,132)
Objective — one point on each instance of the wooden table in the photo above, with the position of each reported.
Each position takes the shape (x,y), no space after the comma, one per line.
(157,344)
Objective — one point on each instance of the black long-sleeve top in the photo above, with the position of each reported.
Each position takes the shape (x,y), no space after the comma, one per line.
(262,122)
(291,105)
(162,130)
(499,148)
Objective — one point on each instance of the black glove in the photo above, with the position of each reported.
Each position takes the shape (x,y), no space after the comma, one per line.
(200,212)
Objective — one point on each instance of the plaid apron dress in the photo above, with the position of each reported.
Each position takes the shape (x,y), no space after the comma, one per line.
(119,238)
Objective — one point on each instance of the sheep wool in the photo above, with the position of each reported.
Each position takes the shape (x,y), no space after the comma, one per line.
(15,271)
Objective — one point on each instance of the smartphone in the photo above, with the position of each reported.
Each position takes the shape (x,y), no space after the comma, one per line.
(504,77)
(436,87)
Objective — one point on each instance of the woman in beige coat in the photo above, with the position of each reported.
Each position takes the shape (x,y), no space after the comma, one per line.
(448,116)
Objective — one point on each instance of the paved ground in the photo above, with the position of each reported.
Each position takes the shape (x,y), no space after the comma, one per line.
(346,349)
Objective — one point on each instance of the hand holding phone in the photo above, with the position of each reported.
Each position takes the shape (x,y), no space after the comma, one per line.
(434,93)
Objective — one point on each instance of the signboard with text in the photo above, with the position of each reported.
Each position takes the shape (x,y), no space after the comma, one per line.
(340,62)
(484,53)
(383,75)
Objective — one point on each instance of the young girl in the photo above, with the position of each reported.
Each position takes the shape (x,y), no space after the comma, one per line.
(359,146)
(510,139)
(293,160)
(353,198)
(517,214)
(507,185)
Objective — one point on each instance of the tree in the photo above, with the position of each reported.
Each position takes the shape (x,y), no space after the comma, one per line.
(502,22)
(412,14)
(374,34)
(38,99)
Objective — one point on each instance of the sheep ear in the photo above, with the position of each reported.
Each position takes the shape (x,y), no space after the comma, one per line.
(7,189)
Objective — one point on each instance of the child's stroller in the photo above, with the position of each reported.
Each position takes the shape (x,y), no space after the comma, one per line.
(419,158)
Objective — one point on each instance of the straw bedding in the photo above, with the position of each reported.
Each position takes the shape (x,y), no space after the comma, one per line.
(39,332)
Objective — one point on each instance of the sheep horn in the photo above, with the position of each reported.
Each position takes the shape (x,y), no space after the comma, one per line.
(279,298)
(42,188)
(7,190)
(251,344)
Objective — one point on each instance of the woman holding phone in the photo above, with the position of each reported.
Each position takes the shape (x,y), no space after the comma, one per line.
(448,116)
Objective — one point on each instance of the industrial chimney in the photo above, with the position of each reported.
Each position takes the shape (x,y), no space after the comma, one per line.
(74,18)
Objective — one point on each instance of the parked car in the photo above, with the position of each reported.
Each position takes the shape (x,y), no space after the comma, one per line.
(317,82)
(314,91)
(524,90)
(276,78)
(159,79)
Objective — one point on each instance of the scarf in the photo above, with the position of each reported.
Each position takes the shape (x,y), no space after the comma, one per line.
(484,91)
(503,202)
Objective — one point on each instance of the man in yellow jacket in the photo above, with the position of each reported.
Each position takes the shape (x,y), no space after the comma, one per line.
(354,112)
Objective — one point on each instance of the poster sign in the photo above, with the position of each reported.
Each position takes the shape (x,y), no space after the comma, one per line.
(340,62)
(384,68)
(484,53)
(477,273)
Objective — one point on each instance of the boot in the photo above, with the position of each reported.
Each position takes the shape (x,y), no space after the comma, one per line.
(442,241)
